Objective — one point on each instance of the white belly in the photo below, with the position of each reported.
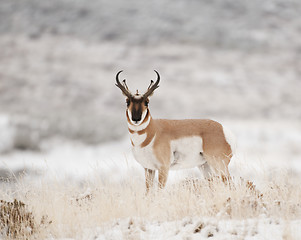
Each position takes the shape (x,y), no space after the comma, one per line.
(186,153)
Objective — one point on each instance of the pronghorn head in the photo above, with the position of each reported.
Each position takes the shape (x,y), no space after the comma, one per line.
(137,104)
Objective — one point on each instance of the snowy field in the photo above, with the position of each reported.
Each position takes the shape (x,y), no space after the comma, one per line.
(64,147)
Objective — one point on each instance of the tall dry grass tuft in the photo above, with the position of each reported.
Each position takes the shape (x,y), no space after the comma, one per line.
(15,220)
(69,208)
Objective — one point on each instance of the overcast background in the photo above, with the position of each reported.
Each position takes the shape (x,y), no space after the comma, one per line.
(234,61)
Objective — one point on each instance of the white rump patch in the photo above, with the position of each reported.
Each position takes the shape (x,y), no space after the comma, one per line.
(230,138)
(186,152)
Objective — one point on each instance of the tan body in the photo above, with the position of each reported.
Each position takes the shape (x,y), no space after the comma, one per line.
(173,144)
(158,137)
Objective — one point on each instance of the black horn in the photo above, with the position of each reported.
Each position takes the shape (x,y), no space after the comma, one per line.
(123,87)
(153,86)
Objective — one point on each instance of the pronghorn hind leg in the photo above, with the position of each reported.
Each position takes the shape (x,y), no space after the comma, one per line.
(163,175)
(149,178)
(218,165)
(206,170)
(222,171)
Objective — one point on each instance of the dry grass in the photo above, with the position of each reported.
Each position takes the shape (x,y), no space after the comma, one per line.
(70,209)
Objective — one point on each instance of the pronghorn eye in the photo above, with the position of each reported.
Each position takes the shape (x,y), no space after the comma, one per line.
(146,103)
(128,102)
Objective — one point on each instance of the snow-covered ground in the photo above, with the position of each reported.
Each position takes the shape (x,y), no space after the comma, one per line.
(63,131)
(197,228)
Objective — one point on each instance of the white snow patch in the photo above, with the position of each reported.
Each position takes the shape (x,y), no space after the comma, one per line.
(196,228)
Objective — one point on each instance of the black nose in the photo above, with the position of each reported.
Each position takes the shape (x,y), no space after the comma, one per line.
(136,119)
(136,115)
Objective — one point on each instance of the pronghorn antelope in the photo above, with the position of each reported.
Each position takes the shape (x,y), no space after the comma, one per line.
(163,145)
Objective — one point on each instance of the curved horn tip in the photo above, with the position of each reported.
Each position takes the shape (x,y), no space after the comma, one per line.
(158,75)
(117,75)
(119,72)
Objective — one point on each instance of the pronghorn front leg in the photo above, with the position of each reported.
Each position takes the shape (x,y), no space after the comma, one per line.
(149,178)
(163,175)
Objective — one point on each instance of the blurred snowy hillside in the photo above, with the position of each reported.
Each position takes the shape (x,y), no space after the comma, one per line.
(234,61)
